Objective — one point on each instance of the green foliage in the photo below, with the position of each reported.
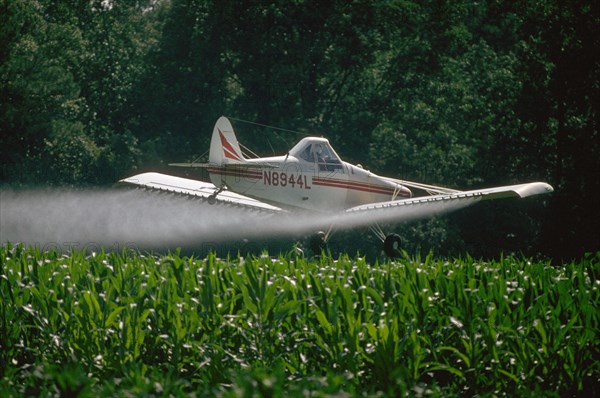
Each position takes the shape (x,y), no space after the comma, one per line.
(123,323)
(65,80)
(40,95)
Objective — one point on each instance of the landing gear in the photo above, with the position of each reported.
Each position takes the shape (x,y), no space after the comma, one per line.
(318,243)
(212,199)
(392,245)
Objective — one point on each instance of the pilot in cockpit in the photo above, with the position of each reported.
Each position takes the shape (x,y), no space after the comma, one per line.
(317,150)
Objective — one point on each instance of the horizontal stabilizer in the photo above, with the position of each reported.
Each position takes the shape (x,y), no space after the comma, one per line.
(192,165)
(255,165)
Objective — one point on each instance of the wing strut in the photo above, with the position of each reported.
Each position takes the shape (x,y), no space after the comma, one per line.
(430,189)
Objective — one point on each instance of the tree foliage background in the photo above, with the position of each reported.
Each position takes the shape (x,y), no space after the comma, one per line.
(457,93)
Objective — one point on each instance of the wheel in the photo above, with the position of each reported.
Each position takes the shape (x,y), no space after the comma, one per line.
(392,245)
(317,243)
(212,199)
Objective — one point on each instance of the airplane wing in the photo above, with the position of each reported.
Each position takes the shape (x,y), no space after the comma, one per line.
(200,189)
(383,212)
(427,206)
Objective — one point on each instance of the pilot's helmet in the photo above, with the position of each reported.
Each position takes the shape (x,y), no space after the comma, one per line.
(318,149)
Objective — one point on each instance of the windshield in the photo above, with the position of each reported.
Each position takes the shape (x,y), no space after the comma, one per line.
(321,153)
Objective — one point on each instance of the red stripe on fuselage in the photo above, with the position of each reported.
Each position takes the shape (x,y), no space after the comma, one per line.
(354,185)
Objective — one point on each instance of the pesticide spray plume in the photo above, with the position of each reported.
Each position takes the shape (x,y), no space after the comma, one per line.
(116,218)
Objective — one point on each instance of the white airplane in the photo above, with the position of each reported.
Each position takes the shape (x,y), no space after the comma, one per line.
(311,177)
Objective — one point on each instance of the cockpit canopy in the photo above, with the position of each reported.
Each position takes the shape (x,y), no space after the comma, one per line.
(317,150)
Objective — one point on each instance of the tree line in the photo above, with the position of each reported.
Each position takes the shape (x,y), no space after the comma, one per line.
(456,93)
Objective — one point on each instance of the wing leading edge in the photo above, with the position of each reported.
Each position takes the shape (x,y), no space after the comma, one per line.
(194,188)
(427,206)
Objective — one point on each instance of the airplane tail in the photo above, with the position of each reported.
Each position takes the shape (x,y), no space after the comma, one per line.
(224,146)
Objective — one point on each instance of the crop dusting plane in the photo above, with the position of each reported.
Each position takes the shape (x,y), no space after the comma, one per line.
(312,178)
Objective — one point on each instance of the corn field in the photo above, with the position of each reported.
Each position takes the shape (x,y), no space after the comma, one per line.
(129,324)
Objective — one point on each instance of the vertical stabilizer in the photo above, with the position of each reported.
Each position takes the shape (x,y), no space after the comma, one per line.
(224,147)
